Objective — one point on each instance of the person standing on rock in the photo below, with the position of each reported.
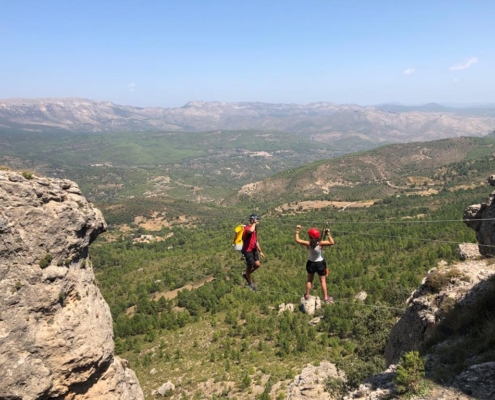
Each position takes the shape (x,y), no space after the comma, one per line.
(251,249)
(316,263)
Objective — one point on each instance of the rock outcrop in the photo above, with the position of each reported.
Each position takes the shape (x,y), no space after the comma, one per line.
(448,291)
(481,219)
(56,338)
(469,251)
(310,384)
(310,305)
(444,287)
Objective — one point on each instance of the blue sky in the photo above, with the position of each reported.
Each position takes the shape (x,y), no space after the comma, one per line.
(166,53)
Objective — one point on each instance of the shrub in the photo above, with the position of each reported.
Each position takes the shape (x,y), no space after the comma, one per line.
(27,174)
(61,298)
(45,261)
(410,374)
(245,382)
(336,387)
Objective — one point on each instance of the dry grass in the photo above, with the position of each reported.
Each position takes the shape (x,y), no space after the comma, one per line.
(438,280)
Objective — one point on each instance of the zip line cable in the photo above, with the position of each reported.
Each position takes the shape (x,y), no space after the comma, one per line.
(294,295)
(328,223)
(403,237)
(406,221)
(407,238)
(336,301)
(212,277)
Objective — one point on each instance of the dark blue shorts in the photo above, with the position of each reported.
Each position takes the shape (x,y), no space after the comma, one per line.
(251,257)
(319,267)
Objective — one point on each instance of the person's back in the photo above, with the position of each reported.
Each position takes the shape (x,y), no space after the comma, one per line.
(315,253)
(249,239)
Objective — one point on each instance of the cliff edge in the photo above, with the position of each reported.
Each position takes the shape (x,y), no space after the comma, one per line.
(56,338)
(449,319)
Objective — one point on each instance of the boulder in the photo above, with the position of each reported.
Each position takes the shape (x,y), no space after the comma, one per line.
(310,384)
(310,305)
(285,307)
(166,388)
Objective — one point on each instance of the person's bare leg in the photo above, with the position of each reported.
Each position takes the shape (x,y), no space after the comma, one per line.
(248,274)
(323,283)
(250,270)
(309,282)
(254,268)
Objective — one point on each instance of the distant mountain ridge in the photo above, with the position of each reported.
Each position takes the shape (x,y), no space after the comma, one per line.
(323,122)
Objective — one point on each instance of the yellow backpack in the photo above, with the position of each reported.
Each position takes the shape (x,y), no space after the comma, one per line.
(237,241)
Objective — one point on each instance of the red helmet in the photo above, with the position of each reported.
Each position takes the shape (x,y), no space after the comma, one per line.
(314,233)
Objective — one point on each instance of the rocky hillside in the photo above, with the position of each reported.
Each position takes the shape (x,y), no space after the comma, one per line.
(56,338)
(376,173)
(324,122)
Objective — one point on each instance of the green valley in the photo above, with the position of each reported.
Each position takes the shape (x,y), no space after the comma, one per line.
(180,307)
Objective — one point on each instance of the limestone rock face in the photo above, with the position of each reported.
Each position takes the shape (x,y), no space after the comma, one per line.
(469,251)
(56,338)
(426,307)
(377,387)
(382,387)
(478,381)
(310,384)
(481,218)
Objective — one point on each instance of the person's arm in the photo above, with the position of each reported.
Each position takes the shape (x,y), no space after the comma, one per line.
(298,240)
(258,247)
(330,241)
(252,227)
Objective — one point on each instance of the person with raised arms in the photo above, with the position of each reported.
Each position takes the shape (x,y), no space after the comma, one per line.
(316,263)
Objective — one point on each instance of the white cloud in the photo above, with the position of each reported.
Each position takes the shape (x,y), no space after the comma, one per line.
(465,65)
(409,71)
(131,87)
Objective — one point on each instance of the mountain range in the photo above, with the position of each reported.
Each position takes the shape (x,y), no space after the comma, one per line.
(323,122)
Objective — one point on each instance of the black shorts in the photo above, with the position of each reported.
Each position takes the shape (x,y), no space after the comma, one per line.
(251,257)
(319,267)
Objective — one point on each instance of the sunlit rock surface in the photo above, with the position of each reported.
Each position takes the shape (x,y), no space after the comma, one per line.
(56,338)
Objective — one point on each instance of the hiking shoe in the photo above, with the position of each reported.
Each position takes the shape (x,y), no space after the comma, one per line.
(252,287)
(245,277)
(329,300)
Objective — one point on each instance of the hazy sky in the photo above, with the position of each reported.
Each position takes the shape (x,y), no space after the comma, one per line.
(166,53)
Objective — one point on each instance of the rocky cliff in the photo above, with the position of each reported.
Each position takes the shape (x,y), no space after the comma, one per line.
(56,339)
(481,219)
(449,320)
